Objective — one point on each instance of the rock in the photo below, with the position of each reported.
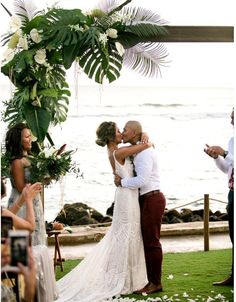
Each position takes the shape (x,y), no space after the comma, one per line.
(79,214)
(186,215)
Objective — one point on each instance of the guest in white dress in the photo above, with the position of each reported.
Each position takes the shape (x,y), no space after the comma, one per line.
(117,264)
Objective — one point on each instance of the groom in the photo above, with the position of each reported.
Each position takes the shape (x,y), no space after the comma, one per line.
(152,204)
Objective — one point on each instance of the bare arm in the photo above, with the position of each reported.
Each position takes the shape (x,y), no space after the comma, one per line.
(18,174)
(27,196)
(124,152)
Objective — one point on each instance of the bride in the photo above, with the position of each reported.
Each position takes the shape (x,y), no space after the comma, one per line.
(117,264)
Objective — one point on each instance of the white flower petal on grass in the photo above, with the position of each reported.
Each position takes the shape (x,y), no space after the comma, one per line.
(185,295)
(165,297)
(191,300)
(144,294)
(219,296)
(209,299)
(170,277)
(186,274)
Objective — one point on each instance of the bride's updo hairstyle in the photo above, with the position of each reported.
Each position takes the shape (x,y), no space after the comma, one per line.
(106,132)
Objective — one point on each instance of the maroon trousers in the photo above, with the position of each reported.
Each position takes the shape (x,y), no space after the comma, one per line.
(152,210)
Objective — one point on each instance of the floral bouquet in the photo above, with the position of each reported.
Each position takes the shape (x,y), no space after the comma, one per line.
(51,164)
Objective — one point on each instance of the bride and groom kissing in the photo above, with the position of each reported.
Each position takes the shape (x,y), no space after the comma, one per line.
(129,257)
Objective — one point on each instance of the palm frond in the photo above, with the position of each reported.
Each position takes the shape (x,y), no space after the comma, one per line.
(26,9)
(140,15)
(146,58)
(107,5)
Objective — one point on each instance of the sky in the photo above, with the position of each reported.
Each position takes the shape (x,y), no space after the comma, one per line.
(191,64)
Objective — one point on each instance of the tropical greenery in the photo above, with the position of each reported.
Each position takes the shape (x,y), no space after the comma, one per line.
(41,45)
(187,277)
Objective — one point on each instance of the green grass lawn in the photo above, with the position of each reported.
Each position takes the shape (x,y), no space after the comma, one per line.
(187,277)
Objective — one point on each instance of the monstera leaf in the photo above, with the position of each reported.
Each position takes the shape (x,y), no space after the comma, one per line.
(99,65)
(38,120)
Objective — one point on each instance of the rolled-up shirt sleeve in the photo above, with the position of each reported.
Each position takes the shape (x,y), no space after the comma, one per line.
(225,164)
(143,168)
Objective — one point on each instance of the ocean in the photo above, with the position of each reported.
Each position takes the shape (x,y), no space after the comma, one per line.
(179,120)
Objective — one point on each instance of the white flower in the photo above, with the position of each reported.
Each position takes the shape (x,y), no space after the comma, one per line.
(8,54)
(103,38)
(185,295)
(40,56)
(49,152)
(220,297)
(23,42)
(120,48)
(112,33)
(13,41)
(209,299)
(15,23)
(35,35)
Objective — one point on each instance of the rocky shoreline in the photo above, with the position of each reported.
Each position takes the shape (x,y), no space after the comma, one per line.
(81,214)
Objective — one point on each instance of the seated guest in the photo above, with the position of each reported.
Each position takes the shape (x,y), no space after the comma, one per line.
(46,290)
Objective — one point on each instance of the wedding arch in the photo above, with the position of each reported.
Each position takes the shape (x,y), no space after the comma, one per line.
(41,45)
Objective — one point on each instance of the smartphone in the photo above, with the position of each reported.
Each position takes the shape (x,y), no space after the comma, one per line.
(19,243)
(6,225)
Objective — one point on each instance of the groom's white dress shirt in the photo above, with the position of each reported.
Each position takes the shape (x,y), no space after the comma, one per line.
(147,169)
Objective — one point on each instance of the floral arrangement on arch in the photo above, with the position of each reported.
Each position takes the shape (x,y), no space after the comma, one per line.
(52,164)
(41,45)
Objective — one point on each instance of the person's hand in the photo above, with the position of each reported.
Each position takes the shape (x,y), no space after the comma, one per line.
(30,191)
(144,138)
(214,151)
(29,273)
(117,180)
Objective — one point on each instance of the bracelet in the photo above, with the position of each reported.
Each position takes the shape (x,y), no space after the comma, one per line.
(18,206)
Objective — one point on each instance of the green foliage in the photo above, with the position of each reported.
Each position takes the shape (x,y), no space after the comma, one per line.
(5,165)
(44,44)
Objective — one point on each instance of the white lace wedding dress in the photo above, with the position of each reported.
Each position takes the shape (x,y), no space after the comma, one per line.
(116,265)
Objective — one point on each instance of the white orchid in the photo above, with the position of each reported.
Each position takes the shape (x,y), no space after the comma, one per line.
(23,42)
(112,33)
(120,48)
(35,35)
(15,23)
(40,56)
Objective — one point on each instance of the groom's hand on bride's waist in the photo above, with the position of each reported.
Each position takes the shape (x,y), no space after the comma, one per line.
(117,180)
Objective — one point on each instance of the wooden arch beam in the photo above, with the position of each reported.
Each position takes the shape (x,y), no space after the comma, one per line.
(197,34)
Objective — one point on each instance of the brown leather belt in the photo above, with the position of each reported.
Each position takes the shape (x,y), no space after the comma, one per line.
(151,193)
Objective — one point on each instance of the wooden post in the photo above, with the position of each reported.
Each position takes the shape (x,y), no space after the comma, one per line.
(206,222)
